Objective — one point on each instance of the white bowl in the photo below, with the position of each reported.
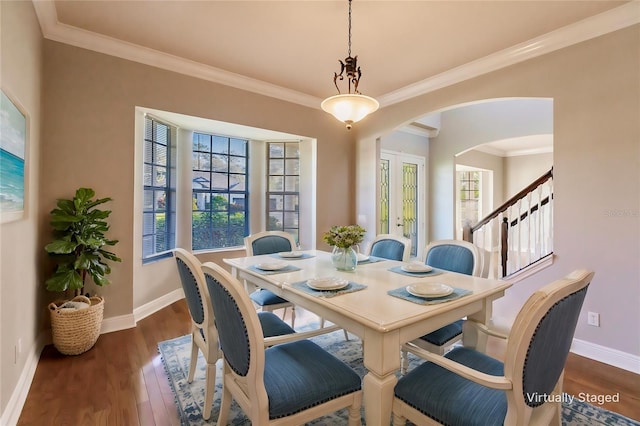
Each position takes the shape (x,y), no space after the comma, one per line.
(416,267)
(290,254)
(330,283)
(362,257)
(271,266)
(429,289)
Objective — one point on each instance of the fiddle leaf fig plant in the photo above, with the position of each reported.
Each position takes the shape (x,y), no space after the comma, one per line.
(79,243)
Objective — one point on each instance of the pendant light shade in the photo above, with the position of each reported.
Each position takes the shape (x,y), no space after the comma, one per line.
(349,107)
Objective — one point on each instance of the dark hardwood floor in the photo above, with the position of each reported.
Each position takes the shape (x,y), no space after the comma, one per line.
(121,381)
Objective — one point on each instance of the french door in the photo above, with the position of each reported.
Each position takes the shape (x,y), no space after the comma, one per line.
(402,197)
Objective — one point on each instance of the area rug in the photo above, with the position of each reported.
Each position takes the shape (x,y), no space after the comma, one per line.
(175,355)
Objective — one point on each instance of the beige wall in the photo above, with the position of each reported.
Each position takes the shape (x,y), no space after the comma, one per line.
(22,295)
(595,89)
(521,170)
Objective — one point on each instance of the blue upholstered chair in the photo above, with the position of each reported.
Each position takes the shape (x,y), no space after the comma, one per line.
(454,256)
(391,247)
(467,387)
(269,242)
(204,334)
(289,383)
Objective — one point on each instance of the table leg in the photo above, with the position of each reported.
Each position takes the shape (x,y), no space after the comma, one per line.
(382,360)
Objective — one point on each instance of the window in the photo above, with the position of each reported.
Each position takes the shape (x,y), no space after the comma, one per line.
(219,189)
(283,191)
(469,184)
(158,216)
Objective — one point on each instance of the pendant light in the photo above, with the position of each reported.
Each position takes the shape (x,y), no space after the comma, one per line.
(349,107)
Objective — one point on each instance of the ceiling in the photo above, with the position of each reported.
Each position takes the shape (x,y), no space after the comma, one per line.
(290,49)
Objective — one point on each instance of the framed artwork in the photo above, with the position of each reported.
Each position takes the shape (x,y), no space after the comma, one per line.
(13,149)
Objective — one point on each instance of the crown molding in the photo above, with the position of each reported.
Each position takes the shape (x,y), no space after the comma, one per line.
(54,30)
(595,26)
(592,27)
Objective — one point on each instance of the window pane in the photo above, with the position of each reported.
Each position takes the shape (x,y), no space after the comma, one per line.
(291,202)
(291,183)
(201,143)
(148,152)
(147,203)
(275,221)
(220,181)
(146,175)
(276,202)
(201,161)
(219,203)
(238,165)
(159,176)
(276,150)
(238,147)
(292,150)
(276,183)
(148,225)
(237,182)
(160,155)
(292,167)
(220,163)
(201,180)
(220,145)
(290,220)
(160,200)
(276,167)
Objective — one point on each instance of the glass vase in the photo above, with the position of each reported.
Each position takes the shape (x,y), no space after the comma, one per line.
(344,259)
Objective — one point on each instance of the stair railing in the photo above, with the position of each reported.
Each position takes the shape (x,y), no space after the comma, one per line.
(520,230)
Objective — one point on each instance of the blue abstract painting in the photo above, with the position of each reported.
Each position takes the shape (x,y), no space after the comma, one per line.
(13,138)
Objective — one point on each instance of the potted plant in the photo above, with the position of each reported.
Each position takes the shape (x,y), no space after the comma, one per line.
(78,248)
(343,238)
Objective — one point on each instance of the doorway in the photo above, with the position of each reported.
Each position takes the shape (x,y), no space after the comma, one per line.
(402,197)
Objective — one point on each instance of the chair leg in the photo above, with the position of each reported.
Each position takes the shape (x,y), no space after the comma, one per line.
(225,405)
(209,390)
(404,362)
(193,361)
(293,317)
(355,418)
(346,335)
(399,420)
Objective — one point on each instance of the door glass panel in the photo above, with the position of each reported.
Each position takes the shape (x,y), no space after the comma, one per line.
(384,197)
(410,204)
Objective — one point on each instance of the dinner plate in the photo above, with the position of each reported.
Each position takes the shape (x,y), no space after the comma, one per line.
(362,257)
(331,283)
(429,289)
(290,254)
(416,267)
(271,266)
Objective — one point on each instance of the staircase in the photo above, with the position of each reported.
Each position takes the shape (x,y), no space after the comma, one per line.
(519,233)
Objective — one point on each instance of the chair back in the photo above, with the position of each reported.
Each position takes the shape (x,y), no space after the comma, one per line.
(195,293)
(391,247)
(240,333)
(455,256)
(541,336)
(268,242)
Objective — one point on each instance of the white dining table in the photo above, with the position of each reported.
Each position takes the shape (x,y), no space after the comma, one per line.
(383,322)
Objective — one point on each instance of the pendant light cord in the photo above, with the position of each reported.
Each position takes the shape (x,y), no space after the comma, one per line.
(349,54)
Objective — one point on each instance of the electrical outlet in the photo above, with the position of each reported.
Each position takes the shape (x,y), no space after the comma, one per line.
(593,318)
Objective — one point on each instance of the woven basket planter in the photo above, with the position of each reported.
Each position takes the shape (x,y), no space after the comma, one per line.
(76,331)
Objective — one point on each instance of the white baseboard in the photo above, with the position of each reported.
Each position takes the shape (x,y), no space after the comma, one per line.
(12,411)
(614,357)
(118,323)
(155,305)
